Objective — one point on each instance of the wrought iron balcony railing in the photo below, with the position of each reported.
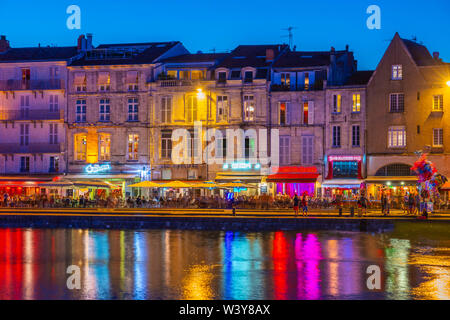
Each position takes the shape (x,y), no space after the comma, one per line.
(41,84)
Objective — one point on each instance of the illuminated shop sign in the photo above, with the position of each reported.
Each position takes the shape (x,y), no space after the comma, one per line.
(97,168)
(241,166)
(344,158)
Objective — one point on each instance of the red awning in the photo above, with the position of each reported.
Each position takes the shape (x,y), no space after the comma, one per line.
(293,177)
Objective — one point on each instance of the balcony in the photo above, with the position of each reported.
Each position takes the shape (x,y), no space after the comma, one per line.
(312,87)
(11,148)
(31,114)
(42,84)
(177,83)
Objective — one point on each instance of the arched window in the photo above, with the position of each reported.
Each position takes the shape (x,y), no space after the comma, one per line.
(395,169)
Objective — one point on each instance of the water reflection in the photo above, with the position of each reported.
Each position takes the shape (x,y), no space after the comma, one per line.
(172,264)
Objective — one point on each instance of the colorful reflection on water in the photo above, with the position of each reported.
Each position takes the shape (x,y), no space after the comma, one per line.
(176,264)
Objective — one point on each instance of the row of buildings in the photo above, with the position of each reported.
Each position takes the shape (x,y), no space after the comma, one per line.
(108,112)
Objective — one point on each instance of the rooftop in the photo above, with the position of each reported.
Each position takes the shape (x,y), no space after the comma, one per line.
(38,54)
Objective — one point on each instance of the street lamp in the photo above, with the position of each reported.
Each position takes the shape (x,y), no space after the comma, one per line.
(448,83)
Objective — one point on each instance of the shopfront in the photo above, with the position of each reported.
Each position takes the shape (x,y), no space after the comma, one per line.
(248,173)
(23,185)
(294,180)
(344,176)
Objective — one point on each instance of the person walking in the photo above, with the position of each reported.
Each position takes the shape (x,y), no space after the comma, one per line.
(363,203)
(296,203)
(304,205)
(410,203)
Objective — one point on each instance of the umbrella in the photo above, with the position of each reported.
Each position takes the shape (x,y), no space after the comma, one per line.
(56,184)
(176,184)
(206,184)
(236,184)
(145,184)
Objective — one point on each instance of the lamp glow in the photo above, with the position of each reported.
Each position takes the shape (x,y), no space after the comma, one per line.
(448,83)
(200,93)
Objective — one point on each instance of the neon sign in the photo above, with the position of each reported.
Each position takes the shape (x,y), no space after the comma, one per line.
(344,158)
(241,166)
(97,168)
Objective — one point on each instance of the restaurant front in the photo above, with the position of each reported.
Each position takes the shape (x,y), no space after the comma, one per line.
(294,180)
(344,176)
(247,173)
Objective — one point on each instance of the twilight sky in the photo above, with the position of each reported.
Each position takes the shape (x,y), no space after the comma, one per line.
(222,25)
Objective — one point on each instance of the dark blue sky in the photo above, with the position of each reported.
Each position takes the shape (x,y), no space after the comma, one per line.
(208,24)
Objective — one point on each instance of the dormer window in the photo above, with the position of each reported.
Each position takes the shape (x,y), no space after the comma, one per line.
(222,77)
(397,72)
(248,76)
(132,81)
(286,79)
(80,82)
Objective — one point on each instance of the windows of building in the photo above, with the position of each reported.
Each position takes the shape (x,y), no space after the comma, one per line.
(222,108)
(345,169)
(336,138)
(221,147)
(24,164)
(133,147)
(307,150)
(166,144)
(397,102)
(248,76)
(285,146)
(53,164)
(249,148)
(54,73)
(306,81)
(24,107)
(81,111)
(24,134)
(222,77)
(356,103)
(53,133)
(397,137)
(166,109)
(104,145)
(26,76)
(397,72)
(283,114)
(53,103)
(80,81)
(395,170)
(438,103)
(438,137)
(286,79)
(104,110)
(104,81)
(249,108)
(356,140)
(307,112)
(337,100)
(191,108)
(80,146)
(133,109)
(132,81)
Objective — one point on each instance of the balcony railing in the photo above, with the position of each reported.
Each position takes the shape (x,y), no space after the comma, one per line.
(30,148)
(42,84)
(312,87)
(177,83)
(31,114)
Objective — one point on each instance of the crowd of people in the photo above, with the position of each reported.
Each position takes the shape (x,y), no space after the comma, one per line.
(411,203)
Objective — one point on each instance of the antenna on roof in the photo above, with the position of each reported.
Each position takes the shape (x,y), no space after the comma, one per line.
(290,35)
(414,38)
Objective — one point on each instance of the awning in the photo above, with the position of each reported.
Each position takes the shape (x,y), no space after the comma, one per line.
(247,177)
(120,176)
(293,177)
(24,181)
(411,180)
(132,77)
(446,186)
(80,78)
(103,77)
(342,183)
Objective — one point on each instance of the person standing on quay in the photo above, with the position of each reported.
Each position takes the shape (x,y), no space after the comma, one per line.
(304,205)
(296,202)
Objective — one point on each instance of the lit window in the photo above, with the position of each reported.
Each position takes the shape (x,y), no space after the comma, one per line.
(306,81)
(104,146)
(104,81)
(397,72)
(197,75)
(438,137)
(438,103)
(80,147)
(283,114)
(249,108)
(397,102)
(133,147)
(337,99)
(286,79)
(356,103)
(397,137)
(191,109)
(306,112)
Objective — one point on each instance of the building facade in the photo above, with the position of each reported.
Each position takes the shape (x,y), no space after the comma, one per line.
(407,113)
(32,110)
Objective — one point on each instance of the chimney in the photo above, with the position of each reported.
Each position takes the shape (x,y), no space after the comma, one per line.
(270,55)
(89,41)
(436,55)
(81,43)
(4,44)
(346,47)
